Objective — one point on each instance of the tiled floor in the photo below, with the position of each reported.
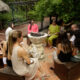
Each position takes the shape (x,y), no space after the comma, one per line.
(49,63)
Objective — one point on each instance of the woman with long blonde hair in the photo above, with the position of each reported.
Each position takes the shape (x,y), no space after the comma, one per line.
(21,63)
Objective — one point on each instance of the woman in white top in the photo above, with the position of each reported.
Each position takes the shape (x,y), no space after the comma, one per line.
(10,28)
(21,63)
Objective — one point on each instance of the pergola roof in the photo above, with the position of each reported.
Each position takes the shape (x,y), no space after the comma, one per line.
(4,7)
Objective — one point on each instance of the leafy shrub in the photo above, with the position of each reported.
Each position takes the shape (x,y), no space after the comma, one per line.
(66,9)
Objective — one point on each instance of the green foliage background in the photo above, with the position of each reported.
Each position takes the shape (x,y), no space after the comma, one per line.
(19,14)
(66,9)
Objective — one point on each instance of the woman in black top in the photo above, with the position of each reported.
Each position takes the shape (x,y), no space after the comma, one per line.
(64,49)
(64,57)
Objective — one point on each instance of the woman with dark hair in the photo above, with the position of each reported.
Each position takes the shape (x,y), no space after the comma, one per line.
(32,27)
(63,50)
(60,22)
(4,45)
(53,31)
(10,28)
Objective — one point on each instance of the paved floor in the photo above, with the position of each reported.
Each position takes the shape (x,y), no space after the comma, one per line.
(49,63)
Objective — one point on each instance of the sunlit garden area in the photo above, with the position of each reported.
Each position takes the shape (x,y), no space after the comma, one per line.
(39,39)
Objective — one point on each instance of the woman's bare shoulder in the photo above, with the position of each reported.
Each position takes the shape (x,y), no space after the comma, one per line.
(22,52)
(20,49)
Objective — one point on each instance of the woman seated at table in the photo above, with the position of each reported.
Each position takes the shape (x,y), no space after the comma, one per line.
(53,32)
(22,64)
(63,50)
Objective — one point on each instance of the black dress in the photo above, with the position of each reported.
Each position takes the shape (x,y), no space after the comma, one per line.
(65,57)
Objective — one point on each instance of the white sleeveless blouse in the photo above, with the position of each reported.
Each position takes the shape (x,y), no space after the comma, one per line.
(21,67)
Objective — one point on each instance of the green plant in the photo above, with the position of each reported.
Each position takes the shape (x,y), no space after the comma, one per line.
(66,9)
(43,8)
